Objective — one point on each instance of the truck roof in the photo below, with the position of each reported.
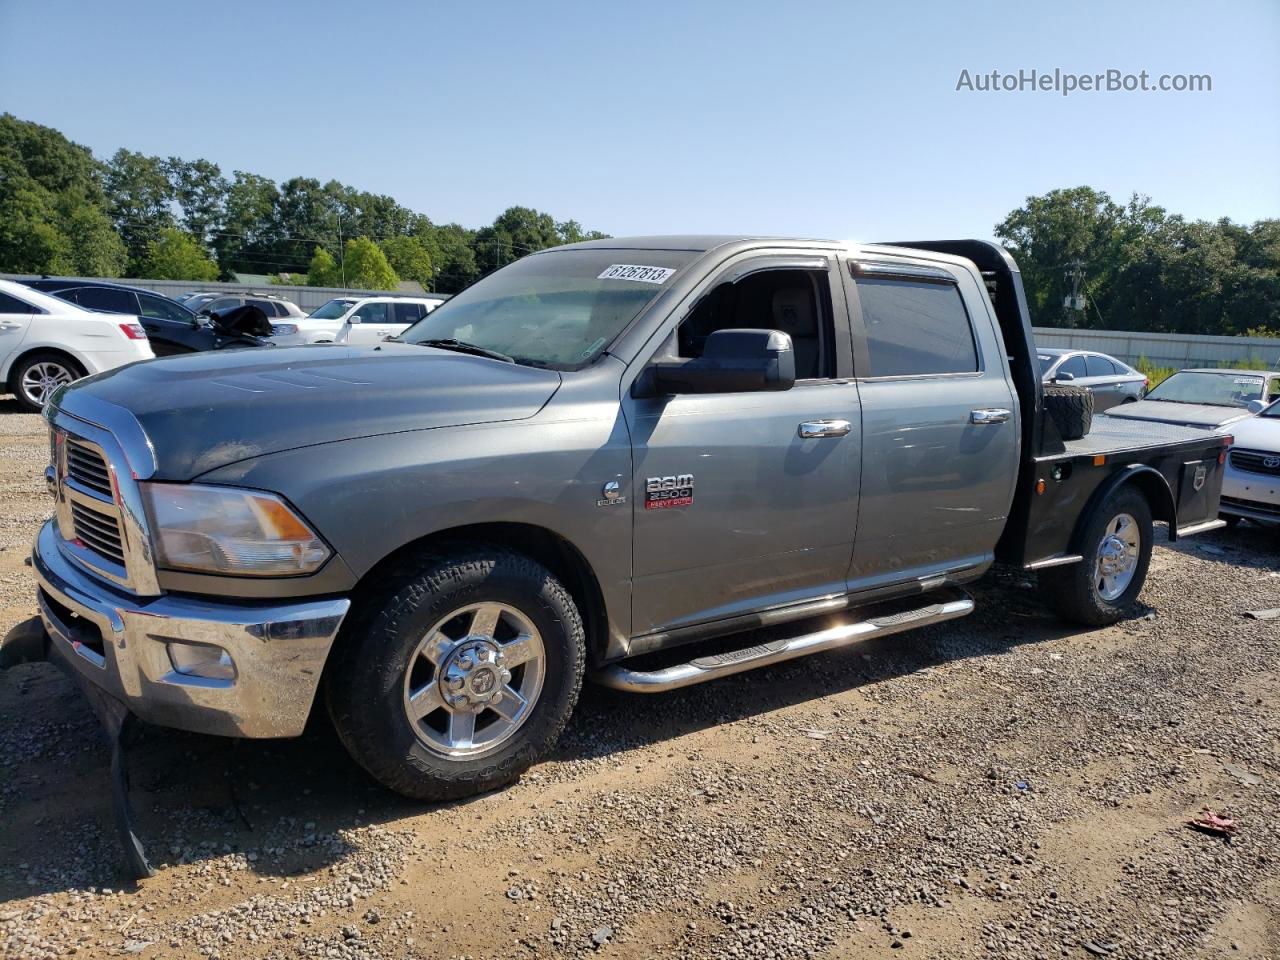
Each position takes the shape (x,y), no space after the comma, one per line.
(696,243)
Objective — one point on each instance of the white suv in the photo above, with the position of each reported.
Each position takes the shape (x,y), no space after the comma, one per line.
(356,320)
(46,342)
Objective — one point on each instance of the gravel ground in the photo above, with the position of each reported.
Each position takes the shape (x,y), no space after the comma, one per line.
(1000,786)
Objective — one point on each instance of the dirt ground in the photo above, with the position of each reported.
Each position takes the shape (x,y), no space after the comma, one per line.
(1000,786)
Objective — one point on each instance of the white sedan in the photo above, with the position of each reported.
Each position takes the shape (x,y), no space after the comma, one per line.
(46,342)
(355,319)
(1251,482)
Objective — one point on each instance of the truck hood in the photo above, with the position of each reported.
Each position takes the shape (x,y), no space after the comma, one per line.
(1203,415)
(202,411)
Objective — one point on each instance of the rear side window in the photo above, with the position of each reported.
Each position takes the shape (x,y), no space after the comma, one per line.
(915,329)
(10,304)
(1099,366)
(266,306)
(408,312)
(104,298)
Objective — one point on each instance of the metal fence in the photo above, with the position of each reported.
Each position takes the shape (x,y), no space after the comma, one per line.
(1167,349)
(308,298)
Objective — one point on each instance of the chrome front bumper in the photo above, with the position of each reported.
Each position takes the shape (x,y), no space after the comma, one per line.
(120,643)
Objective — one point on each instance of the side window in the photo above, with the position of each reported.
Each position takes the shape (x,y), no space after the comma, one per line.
(266,306)
(10,304)
(1099,366)
(408,312)
(222,303)
(373,312)
(915,328)
(161,309)
(107,299)
(797,302)
(1273,390)
(1074,366)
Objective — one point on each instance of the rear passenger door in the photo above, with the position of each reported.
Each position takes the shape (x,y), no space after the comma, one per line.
(940,422)
(404,315)
(15,322)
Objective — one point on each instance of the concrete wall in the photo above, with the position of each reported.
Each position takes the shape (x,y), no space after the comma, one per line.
(308,298)
(1166,349)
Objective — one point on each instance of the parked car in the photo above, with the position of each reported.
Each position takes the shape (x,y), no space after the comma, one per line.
(171,327)
(1209,398)
(194,301)
(46,343)
(276,307)
(1111,381)
(358,319)
(598,452)
(1251,482)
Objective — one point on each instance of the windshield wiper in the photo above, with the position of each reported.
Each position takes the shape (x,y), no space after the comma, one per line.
(461,346)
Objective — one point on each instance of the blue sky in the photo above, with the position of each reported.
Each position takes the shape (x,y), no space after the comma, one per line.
(834,119)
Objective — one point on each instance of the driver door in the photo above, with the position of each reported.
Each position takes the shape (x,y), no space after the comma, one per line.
(375,323)
(739,505)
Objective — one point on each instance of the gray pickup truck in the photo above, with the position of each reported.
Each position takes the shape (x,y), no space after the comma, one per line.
(654,461)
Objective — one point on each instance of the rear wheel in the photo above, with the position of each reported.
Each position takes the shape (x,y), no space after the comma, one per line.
(38,376)
(458,675)
(1116,546)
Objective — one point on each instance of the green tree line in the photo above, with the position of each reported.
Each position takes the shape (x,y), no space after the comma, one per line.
(66,212)
(1141,268)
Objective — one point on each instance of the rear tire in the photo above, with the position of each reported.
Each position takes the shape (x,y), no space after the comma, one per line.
(458,674)
(1070,408)
(1116,546)
(37,376)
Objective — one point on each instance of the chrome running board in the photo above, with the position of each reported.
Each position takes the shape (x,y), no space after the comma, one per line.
(700,670)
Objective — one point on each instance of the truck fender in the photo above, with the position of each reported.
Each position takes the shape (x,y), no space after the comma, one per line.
(1153,486)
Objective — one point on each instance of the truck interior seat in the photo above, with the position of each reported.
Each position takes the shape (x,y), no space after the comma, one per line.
(795,313)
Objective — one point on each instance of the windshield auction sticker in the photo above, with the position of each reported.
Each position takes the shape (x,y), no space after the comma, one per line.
(631,271)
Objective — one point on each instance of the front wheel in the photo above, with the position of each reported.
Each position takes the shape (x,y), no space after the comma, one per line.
(1116,546)
(458,675)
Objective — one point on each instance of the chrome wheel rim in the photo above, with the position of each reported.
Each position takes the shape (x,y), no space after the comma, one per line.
(1117,559)
(41,379)
(474,679)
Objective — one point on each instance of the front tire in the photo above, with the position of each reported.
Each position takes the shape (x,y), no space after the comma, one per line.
(458,674)
(1116,546)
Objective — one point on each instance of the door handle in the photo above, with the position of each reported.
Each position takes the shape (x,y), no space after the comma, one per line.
(10,326)
(989,415)
(816,429)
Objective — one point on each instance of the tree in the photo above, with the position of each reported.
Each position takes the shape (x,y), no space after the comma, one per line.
(139,201)
(174,255)
(200,190)
(51,194)
(248,241)
(366,266)
(323,271)
(410,259)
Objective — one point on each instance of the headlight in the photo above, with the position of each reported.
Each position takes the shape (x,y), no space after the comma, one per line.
(281,329)
(224,530)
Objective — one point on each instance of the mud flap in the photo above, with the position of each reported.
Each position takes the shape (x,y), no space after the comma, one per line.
(27,643)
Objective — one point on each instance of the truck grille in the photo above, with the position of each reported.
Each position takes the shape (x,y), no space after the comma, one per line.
(86,466)
(98,531)
(1254,461)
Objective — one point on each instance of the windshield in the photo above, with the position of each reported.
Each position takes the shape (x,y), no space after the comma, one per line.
(1047,360)
(1214,389)
(332,310)
(558,310)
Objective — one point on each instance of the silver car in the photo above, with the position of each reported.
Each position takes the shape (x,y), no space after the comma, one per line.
(1210,399)
(1111,381)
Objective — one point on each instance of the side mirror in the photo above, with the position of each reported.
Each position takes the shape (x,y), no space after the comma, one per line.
(1257,406)
(355,319)
(1064,376)
(732,361)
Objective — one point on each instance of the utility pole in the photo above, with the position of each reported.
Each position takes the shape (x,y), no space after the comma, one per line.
(1076,299)
(342,253)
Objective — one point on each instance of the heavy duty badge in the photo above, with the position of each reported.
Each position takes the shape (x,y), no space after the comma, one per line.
(661,493)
